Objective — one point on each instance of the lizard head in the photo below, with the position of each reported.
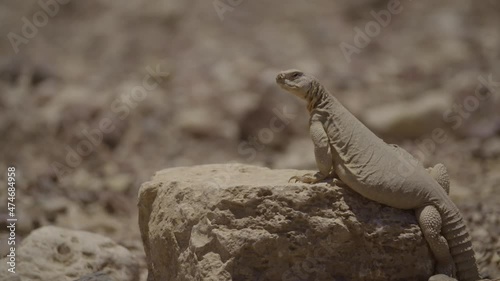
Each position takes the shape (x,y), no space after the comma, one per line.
(295,82)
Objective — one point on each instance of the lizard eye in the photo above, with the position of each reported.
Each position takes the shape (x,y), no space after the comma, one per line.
(296,75)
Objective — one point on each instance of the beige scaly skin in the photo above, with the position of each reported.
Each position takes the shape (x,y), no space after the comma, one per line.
(344,148)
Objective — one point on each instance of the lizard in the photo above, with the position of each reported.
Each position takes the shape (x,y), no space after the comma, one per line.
(346,149)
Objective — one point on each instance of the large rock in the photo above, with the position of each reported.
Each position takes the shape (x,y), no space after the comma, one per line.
(239,222)
(53,253)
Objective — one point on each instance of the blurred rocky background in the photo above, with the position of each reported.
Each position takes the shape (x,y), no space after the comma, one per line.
(95,96)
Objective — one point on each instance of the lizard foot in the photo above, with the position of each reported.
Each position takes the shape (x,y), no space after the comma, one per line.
(308,178)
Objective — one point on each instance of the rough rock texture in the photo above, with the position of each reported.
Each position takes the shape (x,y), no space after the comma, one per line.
(53,253)
(97,276)
(239,222)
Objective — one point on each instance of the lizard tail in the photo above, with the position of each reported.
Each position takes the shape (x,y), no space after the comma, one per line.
(456,233)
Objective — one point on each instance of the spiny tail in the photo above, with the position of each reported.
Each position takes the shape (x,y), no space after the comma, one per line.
(456,233)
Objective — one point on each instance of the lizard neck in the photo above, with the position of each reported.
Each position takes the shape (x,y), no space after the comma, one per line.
(316,96)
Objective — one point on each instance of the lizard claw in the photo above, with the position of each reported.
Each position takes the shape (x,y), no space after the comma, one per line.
(308,178)
(337,182)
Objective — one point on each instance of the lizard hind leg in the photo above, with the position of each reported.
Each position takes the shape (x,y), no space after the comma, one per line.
(430,223)
(440,174)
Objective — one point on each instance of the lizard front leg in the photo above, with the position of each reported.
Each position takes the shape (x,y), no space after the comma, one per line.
(430,222)
(322,153)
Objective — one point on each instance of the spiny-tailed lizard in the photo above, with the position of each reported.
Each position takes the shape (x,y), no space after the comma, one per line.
(346,149)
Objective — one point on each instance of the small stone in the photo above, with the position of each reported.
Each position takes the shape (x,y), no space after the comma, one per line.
(491,148)
(119,182)
(54,253)
(441,277)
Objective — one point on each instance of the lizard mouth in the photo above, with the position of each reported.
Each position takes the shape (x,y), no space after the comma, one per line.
(286,84)
(283,81)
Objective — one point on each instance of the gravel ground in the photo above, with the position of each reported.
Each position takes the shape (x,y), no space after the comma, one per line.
(95,96)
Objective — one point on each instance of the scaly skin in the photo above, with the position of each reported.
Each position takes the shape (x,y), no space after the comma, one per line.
(346,149)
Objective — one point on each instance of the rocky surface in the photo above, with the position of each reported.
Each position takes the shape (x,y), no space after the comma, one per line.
(54,253)
(98,276)
(240,222)
(219,102)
